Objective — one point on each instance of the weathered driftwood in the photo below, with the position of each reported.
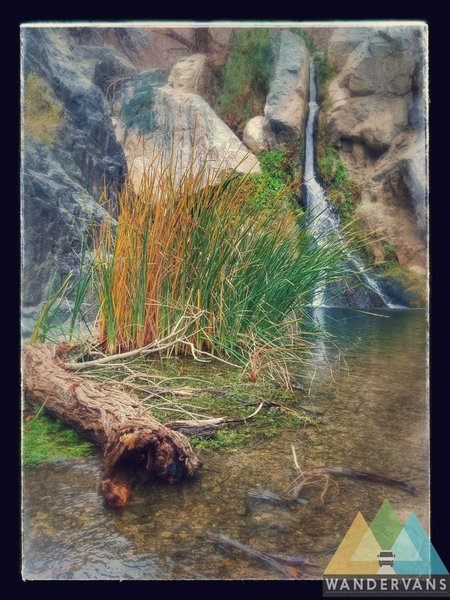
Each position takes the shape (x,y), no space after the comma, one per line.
(208,427)
(135,445)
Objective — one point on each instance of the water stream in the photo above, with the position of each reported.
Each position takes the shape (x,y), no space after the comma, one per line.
(323,219)
(370,385)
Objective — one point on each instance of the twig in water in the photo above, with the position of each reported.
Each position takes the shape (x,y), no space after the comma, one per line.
(291,566)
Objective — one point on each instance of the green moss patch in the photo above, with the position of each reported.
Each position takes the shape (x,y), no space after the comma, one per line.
(46,438)
(407,286)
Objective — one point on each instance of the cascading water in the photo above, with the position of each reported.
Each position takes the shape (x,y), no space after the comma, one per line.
(323,219)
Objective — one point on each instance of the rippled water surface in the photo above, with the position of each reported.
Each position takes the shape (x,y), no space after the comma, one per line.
(371,388)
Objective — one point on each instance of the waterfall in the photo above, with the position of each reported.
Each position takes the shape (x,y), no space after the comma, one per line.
(323,220)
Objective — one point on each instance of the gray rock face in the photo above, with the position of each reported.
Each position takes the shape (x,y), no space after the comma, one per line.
(377,122)
(61,184)
(56,213)
(343,41)
(154,118)
(287,101)
(372,95)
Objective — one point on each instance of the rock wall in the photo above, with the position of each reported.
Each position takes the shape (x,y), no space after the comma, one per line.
(374,114)
(62,181)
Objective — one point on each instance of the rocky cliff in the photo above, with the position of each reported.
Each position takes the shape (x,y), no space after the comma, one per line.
(374,115)
(63,176)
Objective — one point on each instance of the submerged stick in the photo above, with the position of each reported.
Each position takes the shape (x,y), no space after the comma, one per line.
(291,566)
(343,471)
(315,475)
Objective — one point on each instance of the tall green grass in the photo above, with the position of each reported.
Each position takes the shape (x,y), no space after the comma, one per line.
(195,241)
(199,243)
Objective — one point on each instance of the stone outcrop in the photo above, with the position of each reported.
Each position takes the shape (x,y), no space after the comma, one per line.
(374,114)
(393,202)
(191,74)
(254,135)
(343,41)
(287,101)
(62,181)
(283,123)
(153,118)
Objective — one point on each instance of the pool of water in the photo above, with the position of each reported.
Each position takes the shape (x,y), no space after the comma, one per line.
(370,383)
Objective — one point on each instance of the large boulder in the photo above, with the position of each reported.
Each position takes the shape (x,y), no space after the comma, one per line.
(287,101)
(154,118)
(371,95)
(62,181)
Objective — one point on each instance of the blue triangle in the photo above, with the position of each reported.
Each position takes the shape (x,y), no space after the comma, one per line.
(430,562)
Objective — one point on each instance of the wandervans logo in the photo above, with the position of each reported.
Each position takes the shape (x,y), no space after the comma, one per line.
(386,557)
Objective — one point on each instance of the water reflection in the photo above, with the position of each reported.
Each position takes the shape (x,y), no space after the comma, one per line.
(375,419)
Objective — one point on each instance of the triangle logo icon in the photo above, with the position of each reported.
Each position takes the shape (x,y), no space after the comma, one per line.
(426,560)
(342,563)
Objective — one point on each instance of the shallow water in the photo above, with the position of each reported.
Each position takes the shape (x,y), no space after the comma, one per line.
(371,388)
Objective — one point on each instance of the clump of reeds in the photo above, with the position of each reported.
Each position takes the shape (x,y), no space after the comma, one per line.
(195,241)
(191,241)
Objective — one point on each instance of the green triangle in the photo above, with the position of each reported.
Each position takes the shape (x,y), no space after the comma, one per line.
(386,526)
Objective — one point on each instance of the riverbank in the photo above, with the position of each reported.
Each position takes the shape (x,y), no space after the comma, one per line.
(375,415)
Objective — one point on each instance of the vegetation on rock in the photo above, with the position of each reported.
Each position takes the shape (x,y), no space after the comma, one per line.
(43,114)
(275,184)
(403,283)
(342,191)
(243,83)
(324,71)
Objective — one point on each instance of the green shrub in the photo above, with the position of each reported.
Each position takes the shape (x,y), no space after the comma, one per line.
(274,185)
(389,253)
(197,245)
(324,71)
(42,112)
(343,192)
(243,83)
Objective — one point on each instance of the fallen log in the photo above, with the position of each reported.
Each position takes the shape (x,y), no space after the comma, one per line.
(135,445)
